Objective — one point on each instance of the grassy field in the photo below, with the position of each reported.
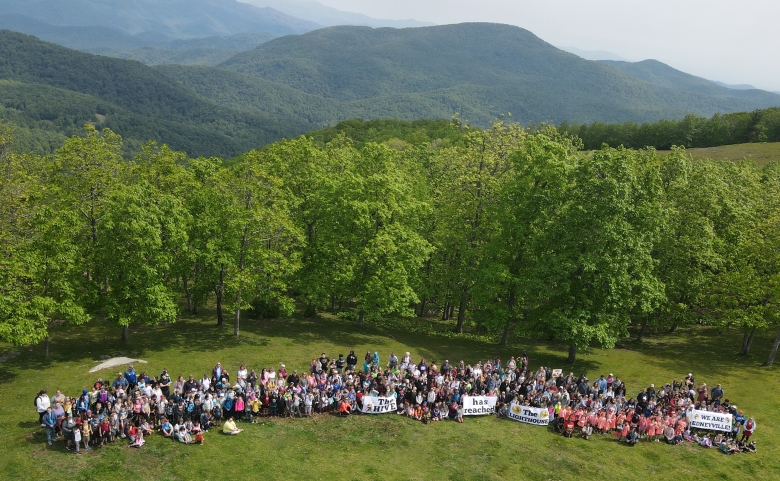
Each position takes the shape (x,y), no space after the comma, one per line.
(382,447)
(761,153)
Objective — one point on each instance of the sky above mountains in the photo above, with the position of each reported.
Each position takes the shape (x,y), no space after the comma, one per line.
(733,42)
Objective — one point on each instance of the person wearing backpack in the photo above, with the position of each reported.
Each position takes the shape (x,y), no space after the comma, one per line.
(41,403)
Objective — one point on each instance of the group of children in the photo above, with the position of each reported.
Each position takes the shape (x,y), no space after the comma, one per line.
(134,406)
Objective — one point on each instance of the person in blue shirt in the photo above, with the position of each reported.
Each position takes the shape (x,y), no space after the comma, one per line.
(50,421)
(130,376)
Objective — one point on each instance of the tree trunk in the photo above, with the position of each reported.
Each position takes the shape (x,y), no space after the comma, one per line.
(572,354)
(673,328)
(446,311)
(332,303)
(361,316)
(47,346)
(238,312)
(187,293)
(125,333)
(219,290)
(510,304)
(771,359)
(747,342)
(452,311)
(464,299)
(422,308)
(642,331)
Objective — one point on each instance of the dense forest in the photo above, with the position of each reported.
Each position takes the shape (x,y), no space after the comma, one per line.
(504,230)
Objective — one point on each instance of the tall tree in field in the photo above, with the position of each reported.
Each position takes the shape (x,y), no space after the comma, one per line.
(141,230)
(466,208)
(528,205)
(588,263)
(38,261)
(267,246)
(688,251)
(85,170)
(369,231)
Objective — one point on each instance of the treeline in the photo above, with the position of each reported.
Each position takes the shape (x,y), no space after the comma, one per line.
(691,132)
(512,231)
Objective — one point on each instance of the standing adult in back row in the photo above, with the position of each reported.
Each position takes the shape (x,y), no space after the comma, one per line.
(42,403)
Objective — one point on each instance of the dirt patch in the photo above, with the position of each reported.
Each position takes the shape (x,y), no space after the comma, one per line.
(115,361)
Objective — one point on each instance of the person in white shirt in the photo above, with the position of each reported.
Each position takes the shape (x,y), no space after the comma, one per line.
(42,403)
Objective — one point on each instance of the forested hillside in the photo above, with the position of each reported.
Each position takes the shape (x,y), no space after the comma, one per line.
(55,89)
(479,70)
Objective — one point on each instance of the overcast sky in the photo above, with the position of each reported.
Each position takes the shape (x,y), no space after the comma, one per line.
(737,42)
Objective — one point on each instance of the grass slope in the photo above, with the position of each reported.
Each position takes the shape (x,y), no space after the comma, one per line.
(760,153)
(489,68)
(382,447)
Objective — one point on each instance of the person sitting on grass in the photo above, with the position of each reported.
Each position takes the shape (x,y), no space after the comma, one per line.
(166,428)
(183,436)
(230,427)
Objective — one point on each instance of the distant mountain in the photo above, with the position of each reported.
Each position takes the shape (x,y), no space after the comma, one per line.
(482,71)
(592,54)
(163,18)
(660,74)
(327,16)
(735,87)
(47,90)
(112,41)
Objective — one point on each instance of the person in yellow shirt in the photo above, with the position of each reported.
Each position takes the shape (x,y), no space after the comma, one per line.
(256,405)
(230,427)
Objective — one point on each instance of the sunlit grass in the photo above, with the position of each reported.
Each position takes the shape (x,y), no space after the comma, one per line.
(381,447)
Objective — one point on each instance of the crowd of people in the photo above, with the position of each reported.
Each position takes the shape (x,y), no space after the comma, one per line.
(135,405)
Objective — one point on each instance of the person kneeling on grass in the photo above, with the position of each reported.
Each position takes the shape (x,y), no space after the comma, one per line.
(633,437)
(230,427)
(344,408)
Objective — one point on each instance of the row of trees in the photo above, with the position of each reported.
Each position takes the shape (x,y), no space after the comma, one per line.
(690,132)
(514,232)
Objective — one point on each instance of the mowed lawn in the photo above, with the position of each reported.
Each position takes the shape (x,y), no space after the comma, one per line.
(760,153)
(380,447)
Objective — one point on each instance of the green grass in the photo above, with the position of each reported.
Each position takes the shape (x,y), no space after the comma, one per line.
(761,153)
(381,447)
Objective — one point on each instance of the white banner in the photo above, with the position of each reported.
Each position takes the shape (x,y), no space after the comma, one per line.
(527,414)
(711,421)
(378,405)
(479,405)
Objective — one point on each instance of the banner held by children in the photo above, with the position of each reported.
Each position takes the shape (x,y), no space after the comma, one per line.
(527,414)
(710,421)
(479,405)
(378,405)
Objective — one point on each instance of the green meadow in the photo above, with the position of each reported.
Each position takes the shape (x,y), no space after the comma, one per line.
(379,447)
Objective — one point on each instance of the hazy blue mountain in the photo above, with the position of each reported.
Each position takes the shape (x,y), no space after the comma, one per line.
(657,73)
(481,70)
(113,42)
(735,87)
(593,54)
(172,18)
(324,15)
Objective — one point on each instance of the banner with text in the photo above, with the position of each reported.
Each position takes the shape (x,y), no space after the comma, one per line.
(711,421)
(378,405)
(527,414)
(479,405)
